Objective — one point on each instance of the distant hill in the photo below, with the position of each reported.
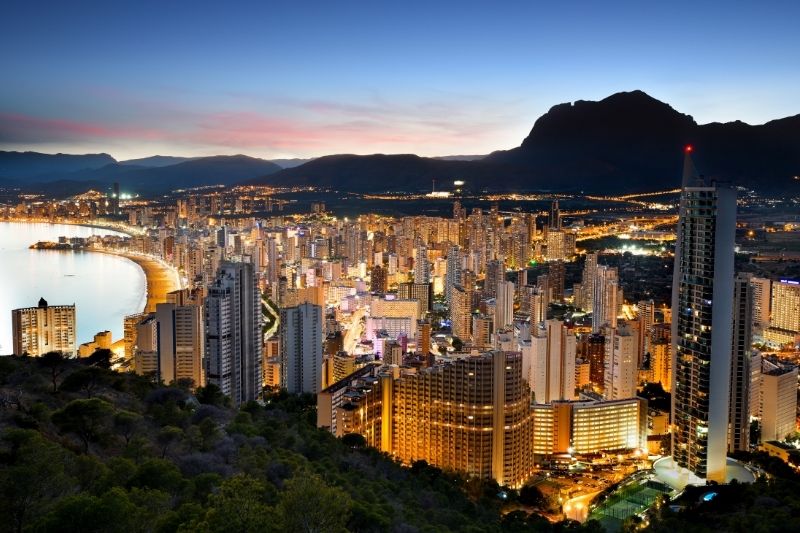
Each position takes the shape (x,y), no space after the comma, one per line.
(225,170)
(291,163)
(32,164)
(460,157)
(156,161)
(380,172)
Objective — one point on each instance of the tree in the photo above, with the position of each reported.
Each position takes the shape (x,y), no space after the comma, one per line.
(55,363)
(87,380)
(311,506)
(239,507)
(31,478)
(354,440)
(212,395)
(168,436)
(126,423)
(87,419)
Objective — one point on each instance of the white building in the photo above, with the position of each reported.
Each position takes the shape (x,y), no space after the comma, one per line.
(553,362)
(301,348)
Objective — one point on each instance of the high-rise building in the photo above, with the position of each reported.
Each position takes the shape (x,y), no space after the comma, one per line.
(553,363)
(453,274)
(740,364)
(555,216)
(504,305)
(180,343)
(129,334)
(621,362)
(482,330)
(44,328)
(233,347)
(301,348)
(587,282)
(422,267)
(702,299)
(762,294)
(606,299)
(556,273)
(495,274)
(461,312)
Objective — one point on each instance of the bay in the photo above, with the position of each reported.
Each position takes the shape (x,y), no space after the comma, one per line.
(103,287)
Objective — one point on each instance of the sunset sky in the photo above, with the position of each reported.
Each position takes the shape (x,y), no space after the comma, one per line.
(300,79)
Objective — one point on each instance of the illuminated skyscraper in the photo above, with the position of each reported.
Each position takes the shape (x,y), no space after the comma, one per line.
(233,320)
(606,299)
(702,299)
(453,275)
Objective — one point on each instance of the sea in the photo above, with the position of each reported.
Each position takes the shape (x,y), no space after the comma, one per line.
(103,287)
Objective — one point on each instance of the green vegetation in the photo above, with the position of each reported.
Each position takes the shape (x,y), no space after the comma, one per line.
(772,503)
(85,449)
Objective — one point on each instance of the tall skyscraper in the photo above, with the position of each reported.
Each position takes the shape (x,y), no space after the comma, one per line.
(762,292)
(504,306)
(461,312)
(606,299)
(495,274)
(553,365)
(422,267)
(301,348)
(453,274)
(233,332)
(702,299)
(555,216)
(180,343)
(740,370)
(556,274)
(44,328)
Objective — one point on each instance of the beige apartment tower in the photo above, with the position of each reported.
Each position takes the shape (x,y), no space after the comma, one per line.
(44,328)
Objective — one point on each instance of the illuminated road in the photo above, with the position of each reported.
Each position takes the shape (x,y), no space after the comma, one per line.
(577,508)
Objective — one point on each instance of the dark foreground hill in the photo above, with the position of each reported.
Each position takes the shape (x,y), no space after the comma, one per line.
(83,449)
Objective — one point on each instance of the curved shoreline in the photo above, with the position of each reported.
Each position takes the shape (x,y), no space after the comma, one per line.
(160,279)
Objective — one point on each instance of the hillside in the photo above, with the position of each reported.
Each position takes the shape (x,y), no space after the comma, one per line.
(84,449)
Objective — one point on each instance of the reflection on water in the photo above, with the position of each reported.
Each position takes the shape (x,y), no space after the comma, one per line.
(104,288)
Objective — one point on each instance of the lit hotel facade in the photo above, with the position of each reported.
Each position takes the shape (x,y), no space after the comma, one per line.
(474,415)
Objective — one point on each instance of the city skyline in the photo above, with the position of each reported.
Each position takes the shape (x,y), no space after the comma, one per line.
(440,80)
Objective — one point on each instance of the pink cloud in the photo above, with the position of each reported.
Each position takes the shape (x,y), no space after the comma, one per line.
(26,128)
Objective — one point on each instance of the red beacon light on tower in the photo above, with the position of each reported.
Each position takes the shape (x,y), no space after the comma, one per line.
(689,149)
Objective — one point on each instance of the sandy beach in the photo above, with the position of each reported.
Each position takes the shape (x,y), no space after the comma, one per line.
(160,279)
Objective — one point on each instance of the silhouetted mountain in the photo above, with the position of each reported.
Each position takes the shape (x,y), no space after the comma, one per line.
(626,142)
(291,163)
(157,161)
(32,164)
(379,172)
(631,141)
(225,170)
(460,157)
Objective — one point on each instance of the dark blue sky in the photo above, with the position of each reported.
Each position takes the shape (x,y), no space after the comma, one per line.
(301,79)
